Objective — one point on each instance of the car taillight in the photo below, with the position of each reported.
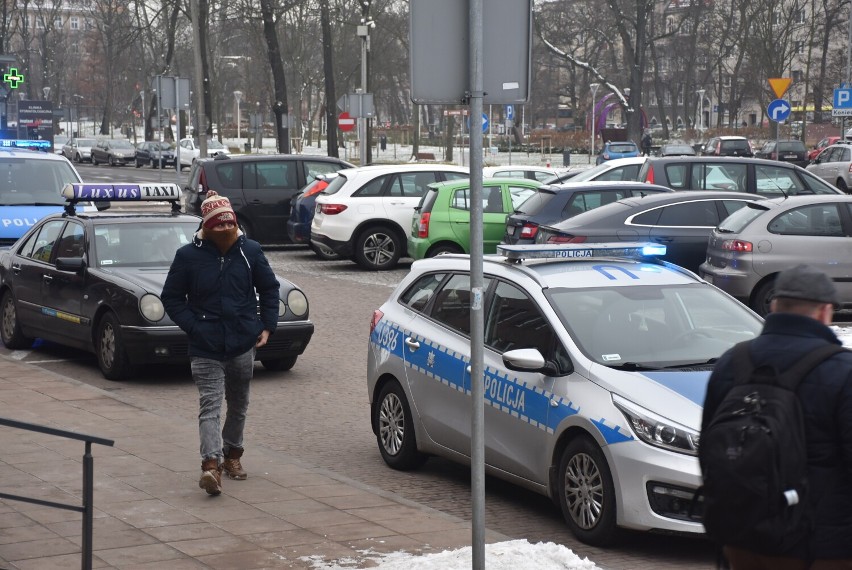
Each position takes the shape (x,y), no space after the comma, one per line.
(332,209)
(737,245)
(606,155)
(317,188)
(377,316)
(566,239)
(423,225)
(529,230)
(850,167)
(649,177)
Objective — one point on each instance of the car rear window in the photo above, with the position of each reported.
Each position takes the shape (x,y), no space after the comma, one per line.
(623,147)
(735,145)
(795,146)
(428,200)
(536,203)
(737,222)
(335,185)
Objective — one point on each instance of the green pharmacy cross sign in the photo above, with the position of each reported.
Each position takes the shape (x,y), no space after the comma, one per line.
(13,78)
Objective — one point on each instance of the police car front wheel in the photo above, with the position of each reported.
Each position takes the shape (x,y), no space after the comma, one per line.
(395,429)
(586,492)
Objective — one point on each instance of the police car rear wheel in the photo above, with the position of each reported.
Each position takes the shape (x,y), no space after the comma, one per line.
(109,349)
(586,492)
(10,328)
(279,364)
(378,249)
(395,430)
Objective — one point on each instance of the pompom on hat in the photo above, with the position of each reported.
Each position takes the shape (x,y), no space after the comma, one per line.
(216,210)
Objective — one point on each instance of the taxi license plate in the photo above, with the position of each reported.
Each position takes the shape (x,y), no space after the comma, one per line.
(510,230)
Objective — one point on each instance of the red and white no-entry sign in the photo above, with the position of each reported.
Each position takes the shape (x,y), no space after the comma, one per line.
(345,123)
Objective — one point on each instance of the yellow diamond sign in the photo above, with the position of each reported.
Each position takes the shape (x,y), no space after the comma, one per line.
(779,85)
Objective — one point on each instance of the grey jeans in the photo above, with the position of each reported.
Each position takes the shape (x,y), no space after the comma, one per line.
(215,379)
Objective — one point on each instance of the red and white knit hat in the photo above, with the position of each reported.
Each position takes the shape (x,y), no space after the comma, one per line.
(216,209)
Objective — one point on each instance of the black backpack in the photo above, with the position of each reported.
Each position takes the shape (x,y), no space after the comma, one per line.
(753,457)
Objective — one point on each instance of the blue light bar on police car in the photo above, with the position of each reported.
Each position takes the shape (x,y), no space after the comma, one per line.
(22,143)
(122,192)
(585,250)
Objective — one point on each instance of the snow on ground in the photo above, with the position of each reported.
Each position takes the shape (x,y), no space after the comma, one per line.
(510,555)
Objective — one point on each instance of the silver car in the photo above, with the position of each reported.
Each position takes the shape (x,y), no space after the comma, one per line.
(596,366)
(79,149)
(748,249)
(834,165)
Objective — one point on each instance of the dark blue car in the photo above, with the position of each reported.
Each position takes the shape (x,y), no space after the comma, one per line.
(302,213)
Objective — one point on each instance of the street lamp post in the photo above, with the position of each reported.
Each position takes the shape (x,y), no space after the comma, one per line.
(594,88)
(238,95)
(700,111)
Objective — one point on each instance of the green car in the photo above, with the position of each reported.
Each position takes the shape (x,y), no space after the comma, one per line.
(441,223)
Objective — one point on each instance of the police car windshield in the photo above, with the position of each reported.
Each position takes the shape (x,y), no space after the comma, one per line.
(27,181)
(653,327)
(141,244)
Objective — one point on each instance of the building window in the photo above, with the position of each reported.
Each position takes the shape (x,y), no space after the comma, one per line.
(652,98)
(57,22)
(799,16)
(39,22)
(89,25)
(776,18)
(799,47)
(726,80)
(680,95)
(670,25)
(74,23)
(797,76)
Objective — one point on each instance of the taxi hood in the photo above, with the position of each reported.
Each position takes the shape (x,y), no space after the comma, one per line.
(151,279)
(677,395)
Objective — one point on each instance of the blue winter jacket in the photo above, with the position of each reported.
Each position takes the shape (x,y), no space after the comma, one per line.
(826,399)
(212,297)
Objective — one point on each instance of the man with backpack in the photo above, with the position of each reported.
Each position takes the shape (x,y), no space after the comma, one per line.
(776,437)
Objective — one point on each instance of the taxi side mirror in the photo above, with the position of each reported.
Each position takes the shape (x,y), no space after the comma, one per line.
(72,264)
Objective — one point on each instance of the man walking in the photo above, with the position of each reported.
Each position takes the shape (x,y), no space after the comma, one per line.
(801,310)
(210,294)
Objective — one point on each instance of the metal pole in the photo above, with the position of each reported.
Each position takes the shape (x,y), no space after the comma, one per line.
(362,120)
(199,78)
(477,317)
(848,71)
(88,505)
(177,123)
(594,88)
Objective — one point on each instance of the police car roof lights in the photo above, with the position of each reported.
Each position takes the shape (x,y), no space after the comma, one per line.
(161,192)
(635,250)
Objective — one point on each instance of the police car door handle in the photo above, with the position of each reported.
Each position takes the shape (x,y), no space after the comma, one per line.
(411,343)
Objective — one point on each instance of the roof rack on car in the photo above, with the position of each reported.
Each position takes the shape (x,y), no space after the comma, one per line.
(633,250)
(165,192)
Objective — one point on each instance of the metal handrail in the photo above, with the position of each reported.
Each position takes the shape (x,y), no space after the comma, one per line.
(88,481)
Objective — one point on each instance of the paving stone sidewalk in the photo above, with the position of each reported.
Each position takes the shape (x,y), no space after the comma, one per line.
(149,511)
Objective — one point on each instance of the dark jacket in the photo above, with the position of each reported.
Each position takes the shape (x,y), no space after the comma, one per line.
(826,400)
(212,297)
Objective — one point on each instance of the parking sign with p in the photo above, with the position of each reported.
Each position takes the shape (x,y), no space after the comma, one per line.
(842,105)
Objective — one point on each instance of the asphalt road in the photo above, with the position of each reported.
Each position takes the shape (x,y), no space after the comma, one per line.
(318,412)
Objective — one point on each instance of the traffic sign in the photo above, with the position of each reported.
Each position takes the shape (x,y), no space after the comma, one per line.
(345,123)
(842,105)
(510,112)
(484,123)
(779,85)
(778,110)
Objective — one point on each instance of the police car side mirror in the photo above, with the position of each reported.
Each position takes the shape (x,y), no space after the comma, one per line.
(524,360)
(72,264)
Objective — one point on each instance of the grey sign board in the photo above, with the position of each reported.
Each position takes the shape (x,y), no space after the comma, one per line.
(439,51)
(172,91)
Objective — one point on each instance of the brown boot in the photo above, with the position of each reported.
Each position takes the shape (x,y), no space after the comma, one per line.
(211,476)
(232,465)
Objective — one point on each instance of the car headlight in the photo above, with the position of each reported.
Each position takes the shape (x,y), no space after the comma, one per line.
(657,431)
(151,307)
(297,302)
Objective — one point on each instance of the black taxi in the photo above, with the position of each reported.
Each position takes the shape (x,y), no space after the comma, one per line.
(93,281)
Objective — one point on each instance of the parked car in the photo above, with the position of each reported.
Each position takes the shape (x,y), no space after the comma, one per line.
(748,250)
(260,187)
(786,150)
(190,150)
(115,152)
(727,146)
(79,149)
(530,172)
(822,144)
(682,221)
(676,149)
(156,153)
(613,150)
(302,207)
(595,368)
(365,213)
(92,281)
(551,204)
(752,175)
(834,165)
(59,142)
(441,222)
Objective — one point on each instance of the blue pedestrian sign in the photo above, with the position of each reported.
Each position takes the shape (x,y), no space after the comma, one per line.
(842,104)
(778,110)
(510,112)
(484,123)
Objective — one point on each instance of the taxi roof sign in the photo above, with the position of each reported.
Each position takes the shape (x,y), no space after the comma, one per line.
(122,192)
(634,250)
(779,85)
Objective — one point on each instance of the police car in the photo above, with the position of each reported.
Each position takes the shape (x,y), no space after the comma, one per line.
(92,281)
(596,362)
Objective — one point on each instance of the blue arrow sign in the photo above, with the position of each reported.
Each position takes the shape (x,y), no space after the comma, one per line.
(484,123)
(778,110)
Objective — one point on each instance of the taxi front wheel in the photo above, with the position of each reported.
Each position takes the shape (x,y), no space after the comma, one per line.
(109,348)
(586,492)
(395,430)
(10,328)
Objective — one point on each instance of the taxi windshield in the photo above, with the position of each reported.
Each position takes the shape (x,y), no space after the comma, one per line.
(28,181)
(652,327)
(141,244)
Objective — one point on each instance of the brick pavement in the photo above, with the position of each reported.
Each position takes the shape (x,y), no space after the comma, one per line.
(149,512)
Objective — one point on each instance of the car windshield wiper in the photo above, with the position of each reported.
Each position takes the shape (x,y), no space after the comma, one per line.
(634,367)
(691,364)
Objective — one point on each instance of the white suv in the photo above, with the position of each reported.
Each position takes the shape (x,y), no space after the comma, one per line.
(365,212)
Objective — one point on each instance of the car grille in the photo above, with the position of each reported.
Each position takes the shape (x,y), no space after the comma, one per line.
(278,343)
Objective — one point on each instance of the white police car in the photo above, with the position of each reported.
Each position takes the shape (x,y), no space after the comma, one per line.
(596,364)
